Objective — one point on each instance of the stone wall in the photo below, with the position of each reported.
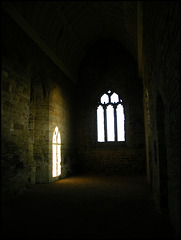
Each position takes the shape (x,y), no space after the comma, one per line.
(110,67)
(161,76)
(35,97)
(14,129)
(39,123)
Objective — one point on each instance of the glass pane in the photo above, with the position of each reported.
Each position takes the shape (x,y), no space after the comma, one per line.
(100,124)
(110,123)
(105,98)
(120,123)
(114,98)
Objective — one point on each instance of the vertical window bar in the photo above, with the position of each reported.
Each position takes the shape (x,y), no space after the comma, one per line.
(105,123)
(115,123)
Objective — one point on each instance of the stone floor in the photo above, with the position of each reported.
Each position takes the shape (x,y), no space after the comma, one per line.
(85,207)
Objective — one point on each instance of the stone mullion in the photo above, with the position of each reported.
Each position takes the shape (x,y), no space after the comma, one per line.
(105,122)
(115,123)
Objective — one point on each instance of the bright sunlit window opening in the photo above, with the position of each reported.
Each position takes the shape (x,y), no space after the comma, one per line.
(120,123)
(110,123)
(110,118)
(56,152)
(100,124)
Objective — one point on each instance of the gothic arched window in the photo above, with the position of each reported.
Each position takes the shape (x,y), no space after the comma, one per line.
(56,152)
(110,118)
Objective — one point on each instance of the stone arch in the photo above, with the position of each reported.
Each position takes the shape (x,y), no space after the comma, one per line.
(39,84)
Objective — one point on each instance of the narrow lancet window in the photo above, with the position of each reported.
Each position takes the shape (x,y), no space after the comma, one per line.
(110,123)
(120,123)
(56,149)
(100,124)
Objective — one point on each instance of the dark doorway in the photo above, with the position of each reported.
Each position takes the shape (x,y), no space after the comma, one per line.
(160,116)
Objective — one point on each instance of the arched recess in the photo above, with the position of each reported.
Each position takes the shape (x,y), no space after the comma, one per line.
(36,97)
(38,118)
(163,177)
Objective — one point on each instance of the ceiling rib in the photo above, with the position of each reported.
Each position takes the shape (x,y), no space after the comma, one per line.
(36,38)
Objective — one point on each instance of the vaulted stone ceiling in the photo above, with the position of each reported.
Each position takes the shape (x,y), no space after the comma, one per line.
(65,29)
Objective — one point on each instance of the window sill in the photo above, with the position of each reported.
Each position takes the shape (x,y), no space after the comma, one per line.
(110,144)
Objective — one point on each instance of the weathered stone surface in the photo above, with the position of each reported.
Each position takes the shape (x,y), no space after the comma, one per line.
(36,97)
(161,44)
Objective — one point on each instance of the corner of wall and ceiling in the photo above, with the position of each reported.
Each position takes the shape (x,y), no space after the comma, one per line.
(14,14)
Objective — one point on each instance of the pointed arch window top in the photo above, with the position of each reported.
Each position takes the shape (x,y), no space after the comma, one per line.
(114,98)
(110,98)
(104,99)
(56,136)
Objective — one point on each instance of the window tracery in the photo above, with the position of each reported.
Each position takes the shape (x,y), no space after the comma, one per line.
(110,118)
